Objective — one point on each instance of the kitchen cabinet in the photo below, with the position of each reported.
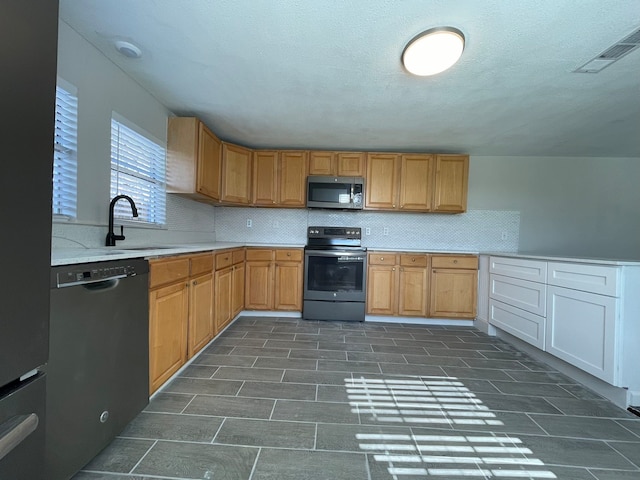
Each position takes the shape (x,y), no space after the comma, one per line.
(345,164)
(201,326)
(397,284)
(193,160)
(518,298)
(453,286)
(274,279)
(168,318)
(229,286)
(236,174)
(279,178)
(399,182)
(451,183)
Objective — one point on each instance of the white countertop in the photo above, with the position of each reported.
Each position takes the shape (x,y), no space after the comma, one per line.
(564,258)
(70,256)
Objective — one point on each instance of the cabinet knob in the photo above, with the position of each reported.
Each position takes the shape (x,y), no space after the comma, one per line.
(393,269)
(394,205)
(381,258)
(401,206)
(455,261)
(288,254)
(195,282)
(413,259)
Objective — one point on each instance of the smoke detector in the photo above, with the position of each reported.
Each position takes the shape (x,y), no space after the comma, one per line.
(127,49)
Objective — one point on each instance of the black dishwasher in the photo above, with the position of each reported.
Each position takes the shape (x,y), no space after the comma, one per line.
(98,370)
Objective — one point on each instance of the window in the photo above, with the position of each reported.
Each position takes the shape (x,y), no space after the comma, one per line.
(65,146)
(138,170)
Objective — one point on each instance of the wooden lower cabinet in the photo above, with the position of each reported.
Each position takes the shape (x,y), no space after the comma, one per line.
(397,284)
(168,313)
(229,286)
(454,286)
(201,329)
(274,279)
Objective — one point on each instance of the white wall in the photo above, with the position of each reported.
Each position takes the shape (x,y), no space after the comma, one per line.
(568,206)
(102,89)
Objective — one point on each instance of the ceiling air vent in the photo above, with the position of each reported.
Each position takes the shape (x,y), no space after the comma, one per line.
(612,54)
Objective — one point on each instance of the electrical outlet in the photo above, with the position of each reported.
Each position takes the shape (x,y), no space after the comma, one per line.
(385,231)
(249,223)
(504,235)
(367,231)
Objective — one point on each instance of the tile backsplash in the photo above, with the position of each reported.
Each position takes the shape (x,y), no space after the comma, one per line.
(475,230)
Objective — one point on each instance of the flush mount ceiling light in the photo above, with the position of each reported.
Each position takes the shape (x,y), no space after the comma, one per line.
(433,51)
(128,49)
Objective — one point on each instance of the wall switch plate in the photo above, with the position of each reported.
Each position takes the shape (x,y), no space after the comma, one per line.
(249,223)
(385,231)
(367,231)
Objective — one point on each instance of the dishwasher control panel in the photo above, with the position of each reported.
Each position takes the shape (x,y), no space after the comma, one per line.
(96,272)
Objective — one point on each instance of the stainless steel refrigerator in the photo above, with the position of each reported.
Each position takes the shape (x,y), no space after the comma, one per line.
(28,53)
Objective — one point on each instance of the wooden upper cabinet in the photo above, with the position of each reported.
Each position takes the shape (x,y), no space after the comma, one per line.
(351,164)
(236,174)
(344,164)
(381,190)
(265,177)
(416,180)
(292,178)
(451,183)
(279,178)
(323,163)
(209,164)
(193,160)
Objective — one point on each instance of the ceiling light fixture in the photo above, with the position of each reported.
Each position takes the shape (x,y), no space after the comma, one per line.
(433,51)
(128,49)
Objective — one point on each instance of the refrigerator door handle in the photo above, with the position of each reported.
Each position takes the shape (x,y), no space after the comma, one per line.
(15,430)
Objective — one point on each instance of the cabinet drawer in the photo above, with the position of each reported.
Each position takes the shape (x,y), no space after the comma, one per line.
(259,254)
(237,256)
(529,296)
(382,258)
(224,259)
(289,255)
(599,279)
(417,260)
(168,270)
(201,264)
(454,261)
(524,325)
(533,270)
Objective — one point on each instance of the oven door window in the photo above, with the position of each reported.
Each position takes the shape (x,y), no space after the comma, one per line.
(330,275)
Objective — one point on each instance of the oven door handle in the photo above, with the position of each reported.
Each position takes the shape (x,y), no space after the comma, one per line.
(333,253)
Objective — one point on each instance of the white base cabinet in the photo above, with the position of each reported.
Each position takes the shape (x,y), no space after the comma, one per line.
(586,314)
(582,329)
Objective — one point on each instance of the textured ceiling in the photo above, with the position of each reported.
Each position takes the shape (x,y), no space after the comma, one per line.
(327,73)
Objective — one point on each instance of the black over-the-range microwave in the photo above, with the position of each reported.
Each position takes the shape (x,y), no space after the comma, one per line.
(335,192)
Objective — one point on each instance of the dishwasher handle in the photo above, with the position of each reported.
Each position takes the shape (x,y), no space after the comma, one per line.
(111,281)
(15,430)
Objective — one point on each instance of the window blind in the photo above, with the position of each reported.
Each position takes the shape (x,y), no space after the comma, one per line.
(65,147)
(138,170)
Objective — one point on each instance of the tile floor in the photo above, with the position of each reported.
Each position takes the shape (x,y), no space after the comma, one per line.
(289,399)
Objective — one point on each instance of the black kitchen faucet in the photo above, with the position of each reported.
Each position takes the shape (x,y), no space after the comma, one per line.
(111,236)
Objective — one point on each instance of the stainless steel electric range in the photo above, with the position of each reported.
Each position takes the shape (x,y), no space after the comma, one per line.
(335,266)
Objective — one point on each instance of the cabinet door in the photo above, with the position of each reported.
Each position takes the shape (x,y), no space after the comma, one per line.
(236,173)
(209,163)
(288,286)
(581,329)
(453,293)
(293,178)
(323,163)
(201,319)
(265,178)
(351,164)
(168,316)
(416,180)
(451,177)
(258,293)
(381,290)
(223,289)
(381,191)
(412,292)
(237,292)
